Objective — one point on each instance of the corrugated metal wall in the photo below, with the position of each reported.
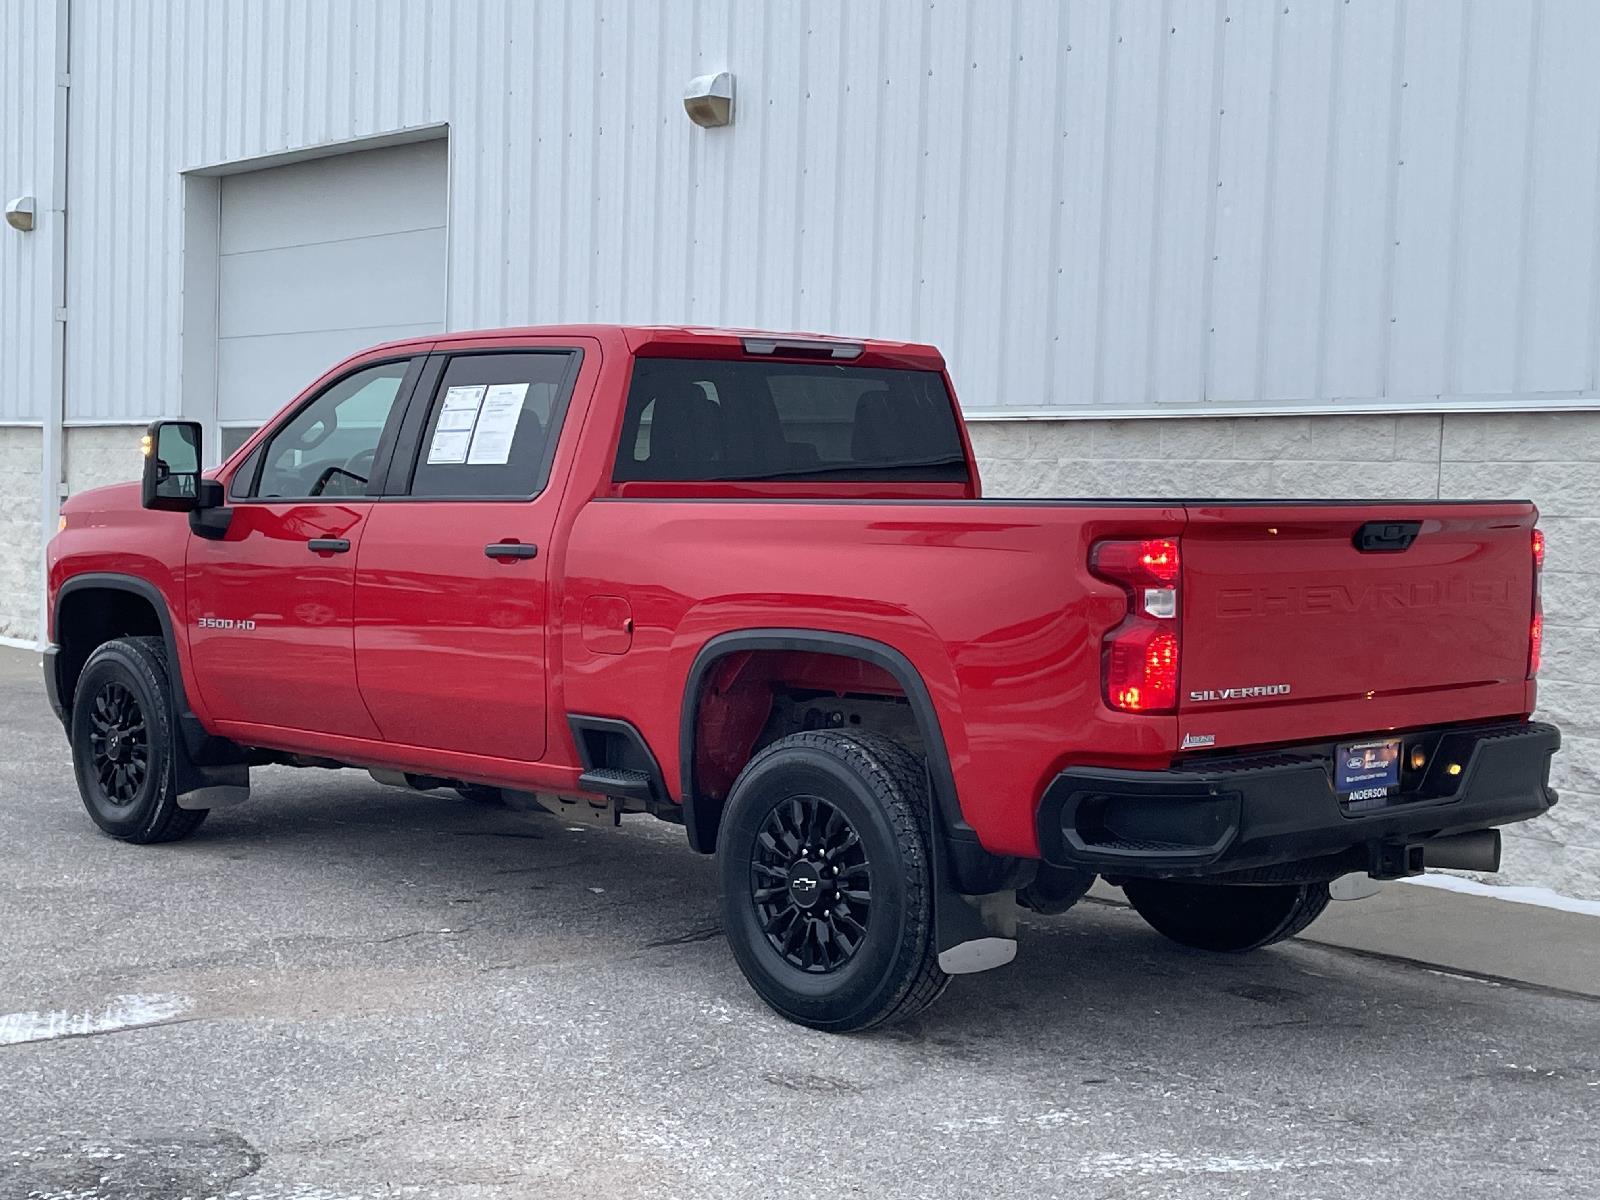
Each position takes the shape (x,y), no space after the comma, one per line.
(1154,202)
(27,102)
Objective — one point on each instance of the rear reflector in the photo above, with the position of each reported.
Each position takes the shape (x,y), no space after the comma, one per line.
(1139,658)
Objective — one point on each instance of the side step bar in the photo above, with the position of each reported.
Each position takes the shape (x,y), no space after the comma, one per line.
(620,782)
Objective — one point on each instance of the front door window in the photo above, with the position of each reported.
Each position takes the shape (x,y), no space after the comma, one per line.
(327,449)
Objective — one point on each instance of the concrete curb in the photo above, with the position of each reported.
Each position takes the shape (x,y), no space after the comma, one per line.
(1478,936)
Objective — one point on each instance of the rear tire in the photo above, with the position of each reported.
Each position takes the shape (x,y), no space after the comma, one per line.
(827,880)
(1230,919)
(124,742)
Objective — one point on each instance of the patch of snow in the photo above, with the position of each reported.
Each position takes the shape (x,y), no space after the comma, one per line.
(1050,1119)
(718,1010)
(297,1191)
(121,1012)
(1111,1165)
(1463,978)
(1543,897)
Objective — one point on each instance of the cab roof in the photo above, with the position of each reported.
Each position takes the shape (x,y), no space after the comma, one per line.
(692,341)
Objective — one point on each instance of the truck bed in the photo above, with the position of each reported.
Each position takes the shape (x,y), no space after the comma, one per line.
(994,604)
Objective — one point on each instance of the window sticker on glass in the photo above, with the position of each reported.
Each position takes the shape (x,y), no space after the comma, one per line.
(497,423)
(453,435)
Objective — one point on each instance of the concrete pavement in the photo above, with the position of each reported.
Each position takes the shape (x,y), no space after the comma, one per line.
(341,990)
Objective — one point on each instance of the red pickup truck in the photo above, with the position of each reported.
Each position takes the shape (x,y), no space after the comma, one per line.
(747,582)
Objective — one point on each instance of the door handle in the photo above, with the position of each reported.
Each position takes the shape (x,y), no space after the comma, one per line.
(328,545)
(511,550)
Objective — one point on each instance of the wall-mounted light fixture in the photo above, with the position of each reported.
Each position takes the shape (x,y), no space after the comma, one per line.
(19,214)
(709,99)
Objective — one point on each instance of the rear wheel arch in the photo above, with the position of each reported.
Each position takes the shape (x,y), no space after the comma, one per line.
(703,813)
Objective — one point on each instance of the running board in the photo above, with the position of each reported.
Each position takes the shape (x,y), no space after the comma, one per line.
(620,782)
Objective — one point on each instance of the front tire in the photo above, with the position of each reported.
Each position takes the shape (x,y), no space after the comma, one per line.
(123,744)
(1231,919)
(827,880)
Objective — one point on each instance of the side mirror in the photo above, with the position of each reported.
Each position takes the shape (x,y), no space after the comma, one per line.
(172,466)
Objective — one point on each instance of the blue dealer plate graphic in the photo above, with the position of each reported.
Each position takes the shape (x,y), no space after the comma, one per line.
(1358,766)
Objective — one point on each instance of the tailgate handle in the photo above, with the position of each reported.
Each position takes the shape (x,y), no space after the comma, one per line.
(1386,537)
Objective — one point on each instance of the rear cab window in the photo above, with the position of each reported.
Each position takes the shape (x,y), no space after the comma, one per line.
(715,420)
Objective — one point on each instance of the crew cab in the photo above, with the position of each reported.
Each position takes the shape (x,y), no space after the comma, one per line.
(748,582)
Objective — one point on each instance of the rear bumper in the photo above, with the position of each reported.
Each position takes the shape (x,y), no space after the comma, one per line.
(1251,814)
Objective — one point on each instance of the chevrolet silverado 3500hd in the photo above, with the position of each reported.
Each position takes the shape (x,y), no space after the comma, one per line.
(747,582)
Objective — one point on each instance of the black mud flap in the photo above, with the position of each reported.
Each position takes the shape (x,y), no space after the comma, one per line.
(972,933)
(215,787)
(221,781)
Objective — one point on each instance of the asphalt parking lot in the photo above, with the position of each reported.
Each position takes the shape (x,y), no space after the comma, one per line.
(350,991)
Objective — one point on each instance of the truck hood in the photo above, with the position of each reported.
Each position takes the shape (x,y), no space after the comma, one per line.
(114,496)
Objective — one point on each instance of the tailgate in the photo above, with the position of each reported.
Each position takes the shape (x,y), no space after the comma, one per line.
(1293,632)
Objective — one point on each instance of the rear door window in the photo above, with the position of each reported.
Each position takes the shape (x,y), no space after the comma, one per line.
(694,420)
(492,425)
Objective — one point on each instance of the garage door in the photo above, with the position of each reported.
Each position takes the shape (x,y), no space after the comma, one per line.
(320,259)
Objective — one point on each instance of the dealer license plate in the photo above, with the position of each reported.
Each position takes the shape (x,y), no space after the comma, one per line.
(1368,768)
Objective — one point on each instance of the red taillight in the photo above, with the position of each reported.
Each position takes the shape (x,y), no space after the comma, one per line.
(1141,668)
(1536,626)
(1152,561)
(1139,663)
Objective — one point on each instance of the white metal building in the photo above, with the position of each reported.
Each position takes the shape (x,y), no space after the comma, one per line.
(1298,247)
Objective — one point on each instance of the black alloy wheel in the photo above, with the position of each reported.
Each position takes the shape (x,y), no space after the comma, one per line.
(124,733)
(825,858)
(119,743)
(811,884)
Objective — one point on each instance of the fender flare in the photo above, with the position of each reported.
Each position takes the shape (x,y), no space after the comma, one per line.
(974,929)
(701,817)
(145,590)
(201,754)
